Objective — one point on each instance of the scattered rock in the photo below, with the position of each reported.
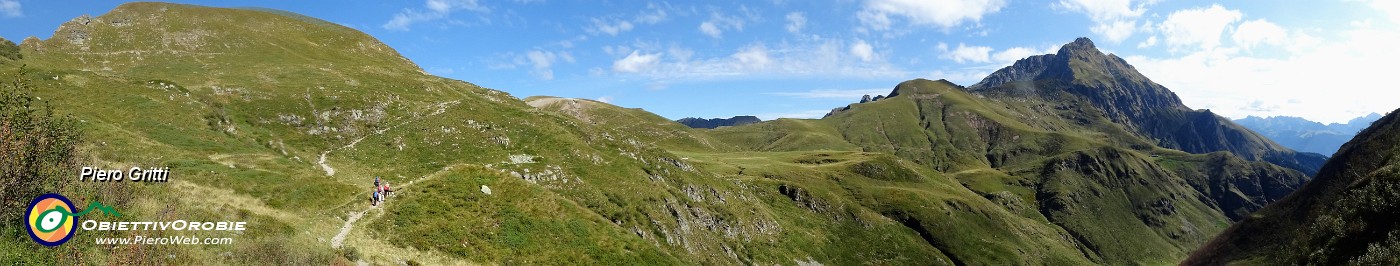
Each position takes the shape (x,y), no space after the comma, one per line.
(521,158)
(485,189)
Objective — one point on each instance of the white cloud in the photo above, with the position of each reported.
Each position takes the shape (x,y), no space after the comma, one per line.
(1326,82)
(654,14)
(1259,32)
(436,9)
(1198,27)
(1151,41)
(1010,55)
(605,99)
(961,76)
(796,20)
(966,54)
(848,94)
(542,62)
(818,58)
(1114,20)
(718,23)
(944,14)
(1116,31)
(1391,8)
(636,62)
(863,50)
(709,28)
(1105,10)
(609,27)
(11,9)
(874,20)
(753,57)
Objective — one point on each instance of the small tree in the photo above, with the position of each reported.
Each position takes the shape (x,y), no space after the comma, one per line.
(36,148)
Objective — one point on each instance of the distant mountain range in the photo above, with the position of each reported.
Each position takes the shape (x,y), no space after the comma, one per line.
(694,122)
(1307,136)
(1346,216)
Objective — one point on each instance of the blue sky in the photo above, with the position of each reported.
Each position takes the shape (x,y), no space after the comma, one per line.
(1326,61)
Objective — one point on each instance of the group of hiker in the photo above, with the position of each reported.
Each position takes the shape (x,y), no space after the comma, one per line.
(381,191)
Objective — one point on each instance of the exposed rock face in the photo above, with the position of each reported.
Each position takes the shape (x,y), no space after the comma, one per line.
(865,99)
(1079,72)
(718,122)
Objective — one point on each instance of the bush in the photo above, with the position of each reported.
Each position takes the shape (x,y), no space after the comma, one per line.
(36,148)
(8,49)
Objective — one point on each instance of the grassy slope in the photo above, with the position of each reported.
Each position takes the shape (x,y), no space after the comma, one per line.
(1344,216)
(254,127)
(854,197)
(1122,205)
(176,85)
(286,131)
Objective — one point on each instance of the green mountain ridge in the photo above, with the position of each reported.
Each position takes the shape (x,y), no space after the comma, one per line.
(1059,170)
(1344,216)
(282,121)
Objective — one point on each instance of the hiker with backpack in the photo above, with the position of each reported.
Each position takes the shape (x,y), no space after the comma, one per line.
(377,196)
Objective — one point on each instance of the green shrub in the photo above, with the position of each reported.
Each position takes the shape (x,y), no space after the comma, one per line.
(37,147)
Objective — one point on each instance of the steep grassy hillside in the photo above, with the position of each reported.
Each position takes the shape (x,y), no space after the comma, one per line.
(1344,216)
(282,121)
(1051,154)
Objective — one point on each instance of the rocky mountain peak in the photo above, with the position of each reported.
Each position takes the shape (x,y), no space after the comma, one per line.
(1081,44)
(1080,68)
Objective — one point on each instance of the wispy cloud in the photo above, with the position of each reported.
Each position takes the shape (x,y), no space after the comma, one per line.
(795,22)
(608,26)
(944,14)
(826,58)
(435,10)
(718,23)
(1114,20)
(11,9)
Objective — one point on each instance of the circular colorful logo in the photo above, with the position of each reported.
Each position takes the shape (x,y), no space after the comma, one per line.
(49,219)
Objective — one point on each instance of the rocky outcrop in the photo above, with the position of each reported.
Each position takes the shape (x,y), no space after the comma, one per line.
(863,99)
(694,122)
